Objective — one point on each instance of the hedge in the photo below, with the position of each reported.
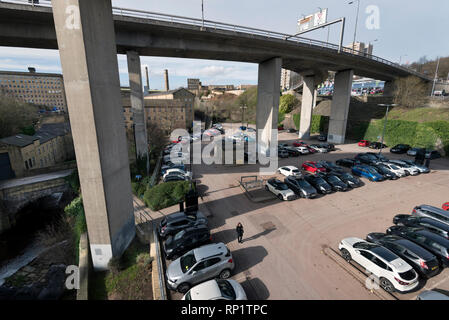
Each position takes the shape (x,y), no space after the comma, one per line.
(318,124)
(75,211)
(166,194)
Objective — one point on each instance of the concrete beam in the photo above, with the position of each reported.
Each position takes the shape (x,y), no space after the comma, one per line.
(306,107)
(340,106)
(268,95)
(86,41)
(137,106)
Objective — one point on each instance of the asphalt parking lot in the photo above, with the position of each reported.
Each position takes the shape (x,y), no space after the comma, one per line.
(287,248)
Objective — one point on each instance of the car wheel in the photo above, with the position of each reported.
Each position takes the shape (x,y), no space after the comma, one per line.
(266,188)
(371,179)
(225,274)
(386,285)
(407,173)
(183,288)
(346,255)
(280,197)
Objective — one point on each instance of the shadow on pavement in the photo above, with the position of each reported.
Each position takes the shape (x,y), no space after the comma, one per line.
(246,258)
(255,289)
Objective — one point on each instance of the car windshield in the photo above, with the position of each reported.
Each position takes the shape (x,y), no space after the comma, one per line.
(282,186)
(180,234)
(226,289)
(347,176)
(187,262)
(304,184)
(392,166)
(295,171)
(320,181)
(333,179)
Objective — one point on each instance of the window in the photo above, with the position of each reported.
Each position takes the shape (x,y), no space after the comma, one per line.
(366,254)
(211,262)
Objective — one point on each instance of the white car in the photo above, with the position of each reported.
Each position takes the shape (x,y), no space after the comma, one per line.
(421,168)
(394,168)
(319,148)
(178,171)
(290,171)
(412,170)
(302,150)
(391,272)
(217,289)
(280,189)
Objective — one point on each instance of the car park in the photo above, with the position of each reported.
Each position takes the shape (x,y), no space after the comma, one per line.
(320,185)
(423,261)
(280,189)
(367,172)
(410,170)
(400,148)
(347,162)
(434,243)
(349,179)
(330,166)
(400,172)
(385,172)
(301,187)
(334,181)
(431,212)
(175,222)
(290,171)
(422,169)
(198,265)
(393,273)
(216,289)
(422,222)
(313,167)
(186,240)
(363,143)
(319,148)
(377,145)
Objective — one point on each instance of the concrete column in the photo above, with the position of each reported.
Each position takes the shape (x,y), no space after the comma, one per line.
(87,49)
(268,95)
(340,106)
(306,107)
(388,88)
(137,105)
(315,96)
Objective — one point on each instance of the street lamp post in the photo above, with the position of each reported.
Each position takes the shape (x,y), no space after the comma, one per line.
(243,107)
(385,123)
(202,12)
(356,22)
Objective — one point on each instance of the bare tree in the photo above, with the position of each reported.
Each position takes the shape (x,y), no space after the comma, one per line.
(410,92)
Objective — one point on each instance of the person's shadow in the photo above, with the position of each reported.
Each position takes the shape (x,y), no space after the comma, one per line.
(260,234)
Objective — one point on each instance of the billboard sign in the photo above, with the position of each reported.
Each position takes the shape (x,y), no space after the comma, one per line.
(312,21)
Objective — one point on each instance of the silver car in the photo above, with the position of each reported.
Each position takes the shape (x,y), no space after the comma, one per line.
(422,169)
(431,212)
(198,265)
(412,170)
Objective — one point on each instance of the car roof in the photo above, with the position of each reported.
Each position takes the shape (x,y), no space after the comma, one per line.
(290,167)
(420,251)
(435,209)
(210,250)
(206,291)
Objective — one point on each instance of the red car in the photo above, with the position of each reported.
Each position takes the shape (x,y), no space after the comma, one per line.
(446,206)
(300,144)
(311,150)
(313,167)
(363,143)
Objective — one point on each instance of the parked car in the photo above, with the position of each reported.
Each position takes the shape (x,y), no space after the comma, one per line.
(423,261)
(216,289)
(318,183)
(367,158)
(349,179)
(445,206)
(175,222)
(432,295)
(377,145)
(346,162)
(400,172)
(311,150)
(328,146)
(312,166)
(368,172)
(291,130)
(363,143)
(431,212)
(282,153)
(434,243)
(411,170)
(378,156)
(394,273)
(322,137)
(280,189)
(432,154)
(385,172)
(185,240)
(400,148)
(177,171)
(335,182)
(330,166)
(165,168)
(422,169)
(290,171)
(301,187)
(422,222)
(175,177)
(198,265)
(302,150)
(292,152)
(319,148)
(299,144)
(413,151)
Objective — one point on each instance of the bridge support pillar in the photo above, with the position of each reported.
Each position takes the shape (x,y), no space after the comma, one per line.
(87,49)
(340,106)
(268,95)
(388,88)
(306,107)
(137,104)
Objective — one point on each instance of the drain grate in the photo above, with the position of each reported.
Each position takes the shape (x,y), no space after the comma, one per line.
(268,225)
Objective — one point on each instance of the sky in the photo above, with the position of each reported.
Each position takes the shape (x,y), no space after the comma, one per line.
(400,30)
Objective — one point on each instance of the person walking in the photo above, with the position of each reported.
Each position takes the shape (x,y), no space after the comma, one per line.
(239,230)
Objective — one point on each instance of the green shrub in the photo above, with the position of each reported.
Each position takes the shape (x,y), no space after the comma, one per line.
(318,124)
(287,103)
(74,181)
(166,194)
(75,213)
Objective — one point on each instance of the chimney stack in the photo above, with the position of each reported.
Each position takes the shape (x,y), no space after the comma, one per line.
(167,87)
(148,79)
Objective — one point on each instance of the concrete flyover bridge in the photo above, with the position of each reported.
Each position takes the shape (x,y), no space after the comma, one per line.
(89,34)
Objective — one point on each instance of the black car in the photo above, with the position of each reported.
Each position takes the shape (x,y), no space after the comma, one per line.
(175,222)
(436,244)
(349,179)
(432,154)
(330,166)
(328,146)
(334,181)
(378,156)
(291,130)
(186,240)
(318,183)
(348,163)
(383,170)
(400,148)
(423,261)
(377,145)
(430,224)
(292,152)
(367,158)
(301,187)
(322,137)
(282,153)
